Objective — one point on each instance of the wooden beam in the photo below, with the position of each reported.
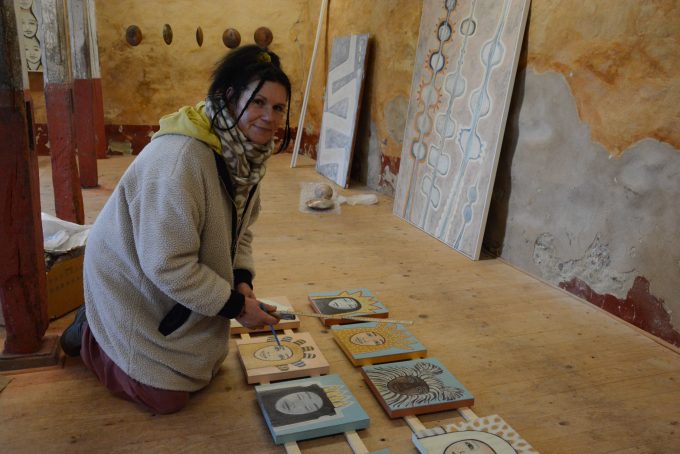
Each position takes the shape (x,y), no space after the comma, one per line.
(23,293)
(86,123)
(97,99)
(68,198)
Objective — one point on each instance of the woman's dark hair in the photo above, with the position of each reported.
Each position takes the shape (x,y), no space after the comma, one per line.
(237,70)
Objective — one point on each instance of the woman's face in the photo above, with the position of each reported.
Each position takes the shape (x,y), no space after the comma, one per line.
(265,113)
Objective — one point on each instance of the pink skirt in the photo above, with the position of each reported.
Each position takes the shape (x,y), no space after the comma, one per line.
(155,400)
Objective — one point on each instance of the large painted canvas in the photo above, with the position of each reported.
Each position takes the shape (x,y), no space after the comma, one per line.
(375,343)
(466,62)
(341,107)
(490,435)
(416,387)
(281,303)
(359,302)
(264,361)
(314,407)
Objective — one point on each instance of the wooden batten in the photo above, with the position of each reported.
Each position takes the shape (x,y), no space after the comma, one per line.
(68,197)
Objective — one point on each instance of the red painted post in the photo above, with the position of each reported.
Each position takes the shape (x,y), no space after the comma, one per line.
(23,294)
(83,123)
(101,141)
(68,198)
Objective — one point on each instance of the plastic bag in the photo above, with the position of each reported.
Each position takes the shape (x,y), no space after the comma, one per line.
(360,199)
(61,236)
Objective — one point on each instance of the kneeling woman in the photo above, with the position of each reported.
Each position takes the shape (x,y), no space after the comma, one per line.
(169,260)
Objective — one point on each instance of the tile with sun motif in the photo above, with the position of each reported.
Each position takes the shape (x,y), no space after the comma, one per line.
(281,302)
(490,434)
(416,387)
(264,361)
(375,343)
(359,302)
(314,407)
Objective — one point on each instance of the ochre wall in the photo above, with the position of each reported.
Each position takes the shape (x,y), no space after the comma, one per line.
(620,59)
(142,83)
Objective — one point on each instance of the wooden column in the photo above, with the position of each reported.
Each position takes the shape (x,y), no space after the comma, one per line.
(97,99)
(23,292)
(68,198)
(84,91)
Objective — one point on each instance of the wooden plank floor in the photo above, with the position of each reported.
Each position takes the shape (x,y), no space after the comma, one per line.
(569,378)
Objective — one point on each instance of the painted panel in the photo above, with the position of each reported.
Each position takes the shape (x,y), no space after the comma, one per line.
(375,343)
(264,361)
(341,107)
(281,303)
(490,434)
(29,34)
(359,302)
(416,387)
(309,408)
(465,67)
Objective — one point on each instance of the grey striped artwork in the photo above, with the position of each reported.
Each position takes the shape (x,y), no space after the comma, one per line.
(341,107)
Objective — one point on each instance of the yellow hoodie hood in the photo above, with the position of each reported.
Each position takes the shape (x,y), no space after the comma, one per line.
(193,122)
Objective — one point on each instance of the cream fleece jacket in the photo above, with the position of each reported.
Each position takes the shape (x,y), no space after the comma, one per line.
(163,238)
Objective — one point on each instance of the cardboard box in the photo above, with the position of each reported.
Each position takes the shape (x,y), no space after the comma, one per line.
(65,286)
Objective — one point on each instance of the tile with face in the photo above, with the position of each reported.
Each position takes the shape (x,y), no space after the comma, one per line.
(265,361)
(297,410)
(358,302)
(487,435)
(281,302)
(415,387)
(375,343)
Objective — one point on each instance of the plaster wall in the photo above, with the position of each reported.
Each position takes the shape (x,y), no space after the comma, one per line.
(587,186)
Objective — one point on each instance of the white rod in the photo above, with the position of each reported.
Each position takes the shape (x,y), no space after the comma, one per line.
(414,423)
(301,123)
(292,448)
(355,442)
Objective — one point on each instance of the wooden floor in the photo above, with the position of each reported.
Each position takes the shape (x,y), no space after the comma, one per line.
(566,376)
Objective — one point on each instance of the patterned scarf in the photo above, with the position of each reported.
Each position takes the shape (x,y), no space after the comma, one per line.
(245,159)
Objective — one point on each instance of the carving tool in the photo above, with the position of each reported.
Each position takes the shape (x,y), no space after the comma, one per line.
(290,315)
(276,337)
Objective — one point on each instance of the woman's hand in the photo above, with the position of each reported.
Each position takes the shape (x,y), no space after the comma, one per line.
(245,290)
(253,317)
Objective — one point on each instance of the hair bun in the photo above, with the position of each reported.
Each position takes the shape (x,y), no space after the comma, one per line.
(264,57)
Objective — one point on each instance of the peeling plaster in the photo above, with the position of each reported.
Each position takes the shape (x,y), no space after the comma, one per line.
(564,208)
(593,267)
